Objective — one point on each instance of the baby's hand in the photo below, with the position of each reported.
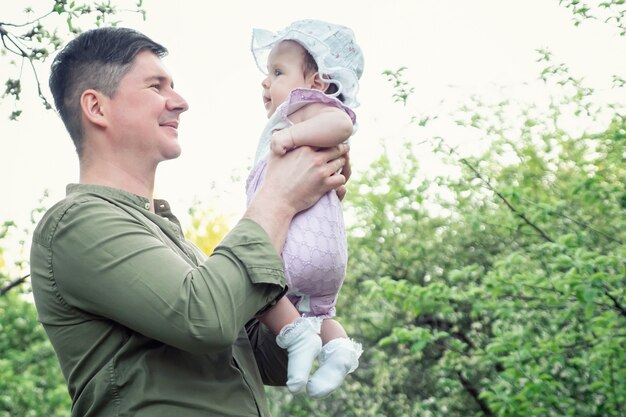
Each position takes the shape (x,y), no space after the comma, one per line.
(282,142)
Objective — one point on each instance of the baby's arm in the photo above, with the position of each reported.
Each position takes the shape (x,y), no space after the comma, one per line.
(315,124)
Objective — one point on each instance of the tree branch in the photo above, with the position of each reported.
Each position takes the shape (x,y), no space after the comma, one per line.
(618,405)
(508,204)
(39,91)
(475,394)
(13,284)
(616,303)
(4,35)
(20,25)
(446,326)
(577,222)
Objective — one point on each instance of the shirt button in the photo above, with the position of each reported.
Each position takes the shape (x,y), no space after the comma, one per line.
(147,206)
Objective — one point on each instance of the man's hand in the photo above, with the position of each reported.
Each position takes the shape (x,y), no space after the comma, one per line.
(346,171)
(294,182)
(300,177)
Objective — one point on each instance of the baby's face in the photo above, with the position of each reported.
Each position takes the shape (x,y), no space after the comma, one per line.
(285,68)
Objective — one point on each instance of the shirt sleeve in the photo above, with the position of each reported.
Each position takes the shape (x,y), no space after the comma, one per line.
(109,263)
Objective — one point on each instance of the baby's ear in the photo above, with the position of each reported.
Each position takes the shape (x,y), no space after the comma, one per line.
(319,83)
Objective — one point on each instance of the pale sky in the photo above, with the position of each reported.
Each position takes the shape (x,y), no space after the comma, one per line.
(452,49)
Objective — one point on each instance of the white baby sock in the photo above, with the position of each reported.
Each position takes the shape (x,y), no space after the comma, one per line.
(338,358)
(302,341)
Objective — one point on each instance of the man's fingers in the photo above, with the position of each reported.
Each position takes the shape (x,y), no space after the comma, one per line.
(334,152)
(346,171)
(337,164)
(335,181)
(341,192)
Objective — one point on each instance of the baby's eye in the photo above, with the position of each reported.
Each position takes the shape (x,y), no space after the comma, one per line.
(277,72)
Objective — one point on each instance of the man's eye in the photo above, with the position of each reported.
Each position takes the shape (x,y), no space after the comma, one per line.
(157,86)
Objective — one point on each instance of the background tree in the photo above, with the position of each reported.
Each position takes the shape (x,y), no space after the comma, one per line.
(29,42)
(610,11)
(498,289)
(208,226)
(31,383)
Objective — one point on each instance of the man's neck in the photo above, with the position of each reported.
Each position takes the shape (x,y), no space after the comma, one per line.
(120,177)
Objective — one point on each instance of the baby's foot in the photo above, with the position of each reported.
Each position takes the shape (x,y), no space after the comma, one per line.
(338,358)
(302,341)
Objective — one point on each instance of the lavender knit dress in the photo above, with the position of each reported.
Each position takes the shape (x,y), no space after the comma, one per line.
(315,251)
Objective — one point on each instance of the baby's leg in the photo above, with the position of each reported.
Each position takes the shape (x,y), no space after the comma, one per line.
(331,329)
(299,336)
(339,357)
(280,315)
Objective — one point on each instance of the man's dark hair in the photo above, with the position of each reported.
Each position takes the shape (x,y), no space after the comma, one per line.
(96,59)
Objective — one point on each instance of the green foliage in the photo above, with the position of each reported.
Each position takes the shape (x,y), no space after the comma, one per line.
(31,383)
(208,227)
(401,87)
(496,290)
(611,11)
(41,34)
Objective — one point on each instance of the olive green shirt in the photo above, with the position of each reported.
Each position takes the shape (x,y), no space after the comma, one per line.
(143,323)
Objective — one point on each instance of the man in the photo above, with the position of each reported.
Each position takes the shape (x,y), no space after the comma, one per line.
(142,322)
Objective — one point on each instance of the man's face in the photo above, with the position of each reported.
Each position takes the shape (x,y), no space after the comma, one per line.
(144,112)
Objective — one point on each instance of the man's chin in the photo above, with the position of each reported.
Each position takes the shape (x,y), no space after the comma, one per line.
(172,153)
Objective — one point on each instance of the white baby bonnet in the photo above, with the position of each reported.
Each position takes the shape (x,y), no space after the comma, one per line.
(332,46)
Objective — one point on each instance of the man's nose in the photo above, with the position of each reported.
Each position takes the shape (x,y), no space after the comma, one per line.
(177,102)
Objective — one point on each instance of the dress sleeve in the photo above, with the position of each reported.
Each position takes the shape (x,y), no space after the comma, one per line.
(300,97)
(107,263)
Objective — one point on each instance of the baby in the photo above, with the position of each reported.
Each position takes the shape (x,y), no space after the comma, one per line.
(312,68)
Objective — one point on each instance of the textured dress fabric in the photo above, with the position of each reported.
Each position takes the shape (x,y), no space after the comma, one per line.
(315,251)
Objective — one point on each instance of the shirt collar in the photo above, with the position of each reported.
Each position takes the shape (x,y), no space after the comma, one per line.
(114,193)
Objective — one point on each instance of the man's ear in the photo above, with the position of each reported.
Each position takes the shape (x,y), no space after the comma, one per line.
(92,105)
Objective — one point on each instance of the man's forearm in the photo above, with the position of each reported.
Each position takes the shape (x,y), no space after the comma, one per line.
(273,217)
